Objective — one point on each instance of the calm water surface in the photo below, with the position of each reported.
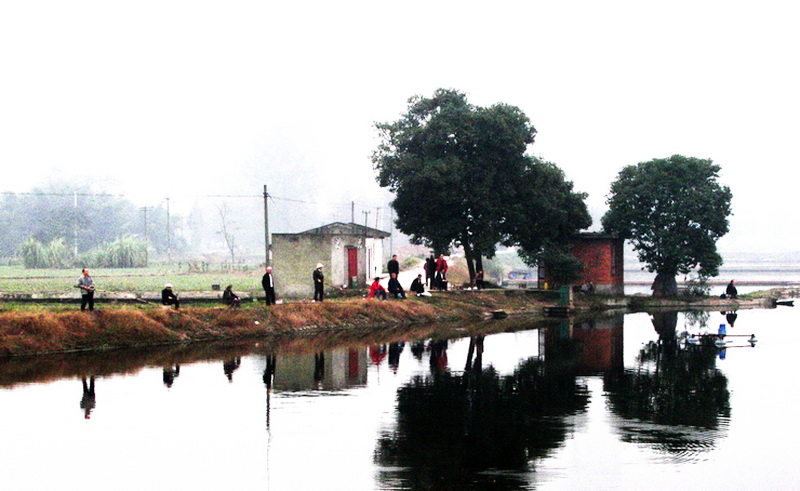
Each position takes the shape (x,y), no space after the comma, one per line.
(618,403)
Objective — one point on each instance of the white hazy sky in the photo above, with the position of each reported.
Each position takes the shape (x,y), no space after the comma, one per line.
(167,97)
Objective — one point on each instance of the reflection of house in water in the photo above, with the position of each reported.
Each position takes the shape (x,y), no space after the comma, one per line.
(600,343)
(333,369)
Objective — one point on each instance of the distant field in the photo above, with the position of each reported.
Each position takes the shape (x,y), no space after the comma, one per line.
(152,279)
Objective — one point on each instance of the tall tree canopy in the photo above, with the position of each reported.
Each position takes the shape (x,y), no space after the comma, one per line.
(461,176)
(673,211)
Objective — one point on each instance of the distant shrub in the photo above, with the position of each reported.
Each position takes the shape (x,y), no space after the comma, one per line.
(127,252)
(33,254)
(54,255)
(59,254)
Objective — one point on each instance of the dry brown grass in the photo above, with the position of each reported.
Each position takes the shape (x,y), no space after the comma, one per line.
(41,331)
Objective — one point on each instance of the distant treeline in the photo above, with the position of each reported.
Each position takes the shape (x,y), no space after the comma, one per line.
(48,226)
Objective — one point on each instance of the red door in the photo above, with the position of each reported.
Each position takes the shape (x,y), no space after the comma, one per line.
(352,264)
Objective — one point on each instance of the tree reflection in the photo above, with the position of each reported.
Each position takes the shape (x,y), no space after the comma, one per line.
(451,426)
(674,384)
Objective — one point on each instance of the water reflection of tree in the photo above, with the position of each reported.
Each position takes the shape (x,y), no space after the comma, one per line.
(452,426)
(674,384)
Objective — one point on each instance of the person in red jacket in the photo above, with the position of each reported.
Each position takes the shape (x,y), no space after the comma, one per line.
(376,290)
(441,272)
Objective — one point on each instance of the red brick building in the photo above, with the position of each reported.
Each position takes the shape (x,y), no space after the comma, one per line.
(602,258)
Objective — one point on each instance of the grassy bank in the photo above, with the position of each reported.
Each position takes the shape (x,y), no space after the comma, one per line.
(36,330)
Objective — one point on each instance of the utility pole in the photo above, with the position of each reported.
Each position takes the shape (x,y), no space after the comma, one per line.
(75,220)
(352,212)
(145,209)
(169,237)
(266,228)
(366,215)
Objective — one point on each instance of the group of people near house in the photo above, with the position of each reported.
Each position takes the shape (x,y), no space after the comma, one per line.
(436,272)
(435,277)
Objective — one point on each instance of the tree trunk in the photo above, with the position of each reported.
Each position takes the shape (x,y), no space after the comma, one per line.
(468,253)
(664,286)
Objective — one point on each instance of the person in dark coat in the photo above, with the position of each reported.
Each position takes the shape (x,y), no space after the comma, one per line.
(430,271)
(417,286)
(319,283)
(395,288)
(731,291)
(169,297)
(229,298)
(268,283)
(393,266)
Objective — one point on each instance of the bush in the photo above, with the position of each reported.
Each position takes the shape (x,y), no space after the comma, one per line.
(33,254)
(127,252)
(37,256)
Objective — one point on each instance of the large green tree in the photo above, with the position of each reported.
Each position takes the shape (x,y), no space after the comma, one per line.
(461,176)
(673,211)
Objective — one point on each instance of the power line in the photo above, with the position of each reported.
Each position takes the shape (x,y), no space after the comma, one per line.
(211,196)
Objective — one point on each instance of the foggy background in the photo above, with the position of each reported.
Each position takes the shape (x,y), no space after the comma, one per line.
(204,103)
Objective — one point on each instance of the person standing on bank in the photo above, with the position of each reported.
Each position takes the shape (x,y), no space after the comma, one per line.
(86,284)
(479,280)
(393,266)
(269,286)
(319,283)
(441,272)
(430,272)
(169,297)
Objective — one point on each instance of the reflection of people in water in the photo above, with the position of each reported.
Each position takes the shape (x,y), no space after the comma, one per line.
(438,349)
(394,355)
(88,400)
(230,366)
(377,354)
(476,348)
(731,317)
(269,371)
(418,349)
(319,367)
(170,374)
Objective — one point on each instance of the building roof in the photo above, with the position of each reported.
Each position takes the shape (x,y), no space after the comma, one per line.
(596,236)
(339,228)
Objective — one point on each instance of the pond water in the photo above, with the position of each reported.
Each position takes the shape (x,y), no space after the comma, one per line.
(617,403)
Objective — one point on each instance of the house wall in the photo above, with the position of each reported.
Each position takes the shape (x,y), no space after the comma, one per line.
(294,257)
(603,263)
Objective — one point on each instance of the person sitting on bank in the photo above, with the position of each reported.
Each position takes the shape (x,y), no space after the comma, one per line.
(376,290)
(395,288)
(229,298)
(169,297)
(731,291)
(417,286)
